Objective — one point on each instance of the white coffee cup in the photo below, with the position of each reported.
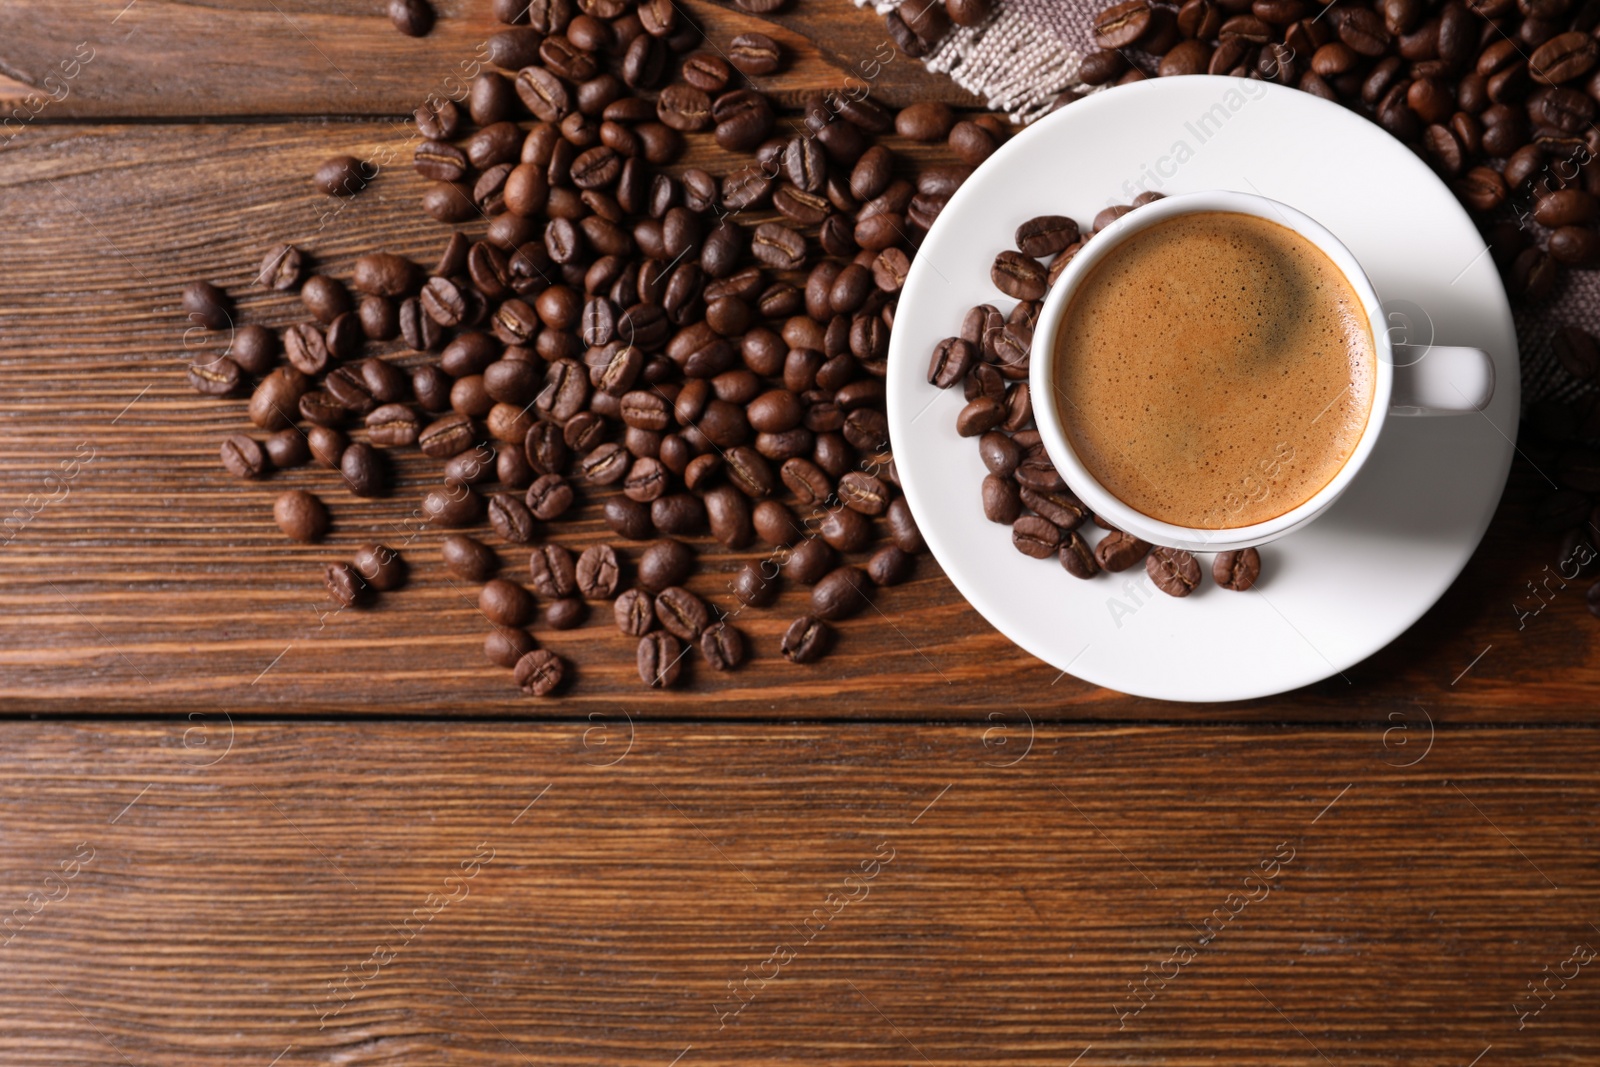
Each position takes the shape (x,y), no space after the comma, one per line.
(1411,380)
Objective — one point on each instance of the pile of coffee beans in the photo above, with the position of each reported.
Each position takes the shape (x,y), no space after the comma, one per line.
(1498,96)
(990,359)
(685,353)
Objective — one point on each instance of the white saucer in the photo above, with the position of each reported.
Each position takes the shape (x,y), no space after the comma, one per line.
(1330,595)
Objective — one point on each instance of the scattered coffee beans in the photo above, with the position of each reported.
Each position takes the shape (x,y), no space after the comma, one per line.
(687,352)
(989,359)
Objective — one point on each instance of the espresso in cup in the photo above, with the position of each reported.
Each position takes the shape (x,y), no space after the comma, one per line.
(1214,370)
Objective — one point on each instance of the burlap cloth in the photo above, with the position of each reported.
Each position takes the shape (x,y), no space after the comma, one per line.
(1027,54)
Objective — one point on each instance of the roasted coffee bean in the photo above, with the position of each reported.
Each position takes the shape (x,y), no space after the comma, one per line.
(597,572)
(380,567)
(749,472)
(707,72)
(902,527)
(440,162)
(510,518)
(326,446)
(952,358)
(1575,246)
(809,561)
(753,586)
(549,497)
(606,465)
(678,514)
(472,467)
(634,611)
(447,436)
(344,585)
(1563,57)
(778,247)
(647,479)
(244,457)
(1172,570)
(972,143)
(1237,570)
(414,18)
(806,640)
(287,448)
(1018,276)
(216,376)
(344,337)
(681,613)
(926,120)
(363,470)
(567,613)
(1533,275)
(1060,507)
(1036,472)
(743,119)
(320,407)
(723,647)
(890,565)
(343,176)
(846,530)
(505,645)
(754,54)
(306,349)
(421,333)
(703,471)
(968,12)
(1002,499)
(1482,189)
(1035,536)
(561,57)
(540,672)
(660,660)
(281,267)
(1077,558)
(546,450)
(999,453)
(454,507)
(665,563)
(1117,551)
(468,559)
(980,416)
(301,516)
(864,493)
(1566,207)
(514,49)
(684,108)
(1046,235)
(1121,25)
(840,594)
(505,603)
(552,571)
(380,319)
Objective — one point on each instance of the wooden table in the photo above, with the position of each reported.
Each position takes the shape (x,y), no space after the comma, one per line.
(231,833)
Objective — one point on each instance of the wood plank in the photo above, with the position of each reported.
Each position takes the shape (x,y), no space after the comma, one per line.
(159,582)
(158,58)
(1403,912)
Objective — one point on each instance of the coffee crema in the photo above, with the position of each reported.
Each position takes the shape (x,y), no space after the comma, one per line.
(1215,370)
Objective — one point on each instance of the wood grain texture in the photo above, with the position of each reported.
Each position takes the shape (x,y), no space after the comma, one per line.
(174,60)
(629,885)
(157,582)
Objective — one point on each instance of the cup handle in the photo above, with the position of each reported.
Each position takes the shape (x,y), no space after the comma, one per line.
(1440,380)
